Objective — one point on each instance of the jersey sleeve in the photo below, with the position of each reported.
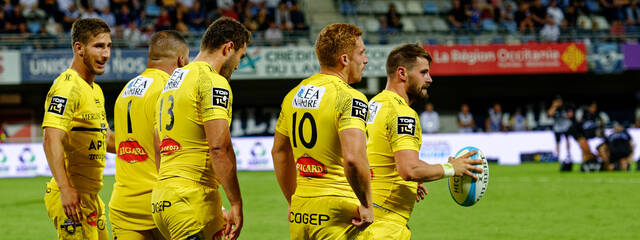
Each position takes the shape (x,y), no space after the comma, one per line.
(282,123)
(215,98)
(404,129)
(60,104)
(352,109)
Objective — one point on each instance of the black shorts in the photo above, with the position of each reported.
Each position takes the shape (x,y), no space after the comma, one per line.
(559,135)
(616,154)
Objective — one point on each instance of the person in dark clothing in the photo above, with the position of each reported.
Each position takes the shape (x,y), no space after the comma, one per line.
(589,125)
(563,119)
(620,149)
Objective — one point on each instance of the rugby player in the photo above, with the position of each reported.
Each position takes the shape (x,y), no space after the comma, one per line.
(77,136)
(137,155)
(321,132)
(193,114)
(394,138)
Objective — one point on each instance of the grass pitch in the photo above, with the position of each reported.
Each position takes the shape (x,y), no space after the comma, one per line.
(529,201)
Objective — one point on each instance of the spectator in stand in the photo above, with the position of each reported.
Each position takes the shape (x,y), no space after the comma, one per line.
(16,22)
(187,3)
(531,118)
(571,18)
(3,20)
(230,11)
(465,119)
(124,17)
(507,17)
(563,120)
(196,17)
(273,34)
(633,16)
(429,119)
(254,6)
(393,18)
(621,147)
(523,18)
(108,17)
(262,20)
(538,14)
(518,122)
(132,35)
(164,20)
(608,9)
(100,5)
(493,122)
(250,20)
(89,12)
(283,17)
(458,16)
(545,122)
(474,12)
(551,29)
(297,18)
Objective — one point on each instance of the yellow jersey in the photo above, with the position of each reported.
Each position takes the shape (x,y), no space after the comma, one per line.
(136,173)
(391,126)
(77,107)
(312,115)
(193,95)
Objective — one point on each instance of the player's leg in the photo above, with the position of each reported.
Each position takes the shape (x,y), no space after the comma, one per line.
(183,209)
(325,218)
(65,228)
(389,225)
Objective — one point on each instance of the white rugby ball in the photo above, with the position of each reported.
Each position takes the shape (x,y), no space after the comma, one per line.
(464,189)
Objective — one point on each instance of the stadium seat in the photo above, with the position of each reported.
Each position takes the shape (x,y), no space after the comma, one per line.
(444,6)
(463,40)
(483,39)
(372,24)
(414,8)
(423,24)
(584,22)
(592,5)
(408,25)
(430,7)
(600,23)
(489,25)
(512,39)
(400,7)
(440,24)
(363,7)
(380,7)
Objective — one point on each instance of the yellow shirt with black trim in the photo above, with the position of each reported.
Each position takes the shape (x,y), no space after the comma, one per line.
(77,108)
(193,95)
(312,115)
(391,126)
(136,173)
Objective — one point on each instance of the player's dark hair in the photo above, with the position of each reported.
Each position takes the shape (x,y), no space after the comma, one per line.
(222,31)
(405,55)
(335,40)
(166,43)
(84,29)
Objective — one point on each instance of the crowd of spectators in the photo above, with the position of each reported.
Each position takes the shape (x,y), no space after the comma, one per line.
(548,18)
(134,21)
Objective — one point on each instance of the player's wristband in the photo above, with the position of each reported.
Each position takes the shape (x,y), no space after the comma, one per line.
(448,169)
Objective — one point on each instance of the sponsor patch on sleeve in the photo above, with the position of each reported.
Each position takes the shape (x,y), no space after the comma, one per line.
(359,109)
(374,107)
(220,97)
(57,105)
(406,126)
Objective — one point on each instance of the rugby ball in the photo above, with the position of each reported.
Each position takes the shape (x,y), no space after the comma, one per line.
(464,189)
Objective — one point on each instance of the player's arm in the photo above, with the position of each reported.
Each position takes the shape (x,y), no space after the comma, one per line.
(356,169)
(223,160)
(111,141)
(411,168)
(284,165)
(54,151)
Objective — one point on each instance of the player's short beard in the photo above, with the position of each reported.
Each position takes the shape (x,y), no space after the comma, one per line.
(414,92)
(227,68)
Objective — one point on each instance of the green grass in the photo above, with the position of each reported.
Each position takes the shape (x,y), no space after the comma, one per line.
(530,201)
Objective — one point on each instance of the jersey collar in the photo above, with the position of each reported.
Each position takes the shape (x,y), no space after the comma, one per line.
(396,96)
(73,72)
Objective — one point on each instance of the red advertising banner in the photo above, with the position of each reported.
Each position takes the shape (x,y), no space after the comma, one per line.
(508,59)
